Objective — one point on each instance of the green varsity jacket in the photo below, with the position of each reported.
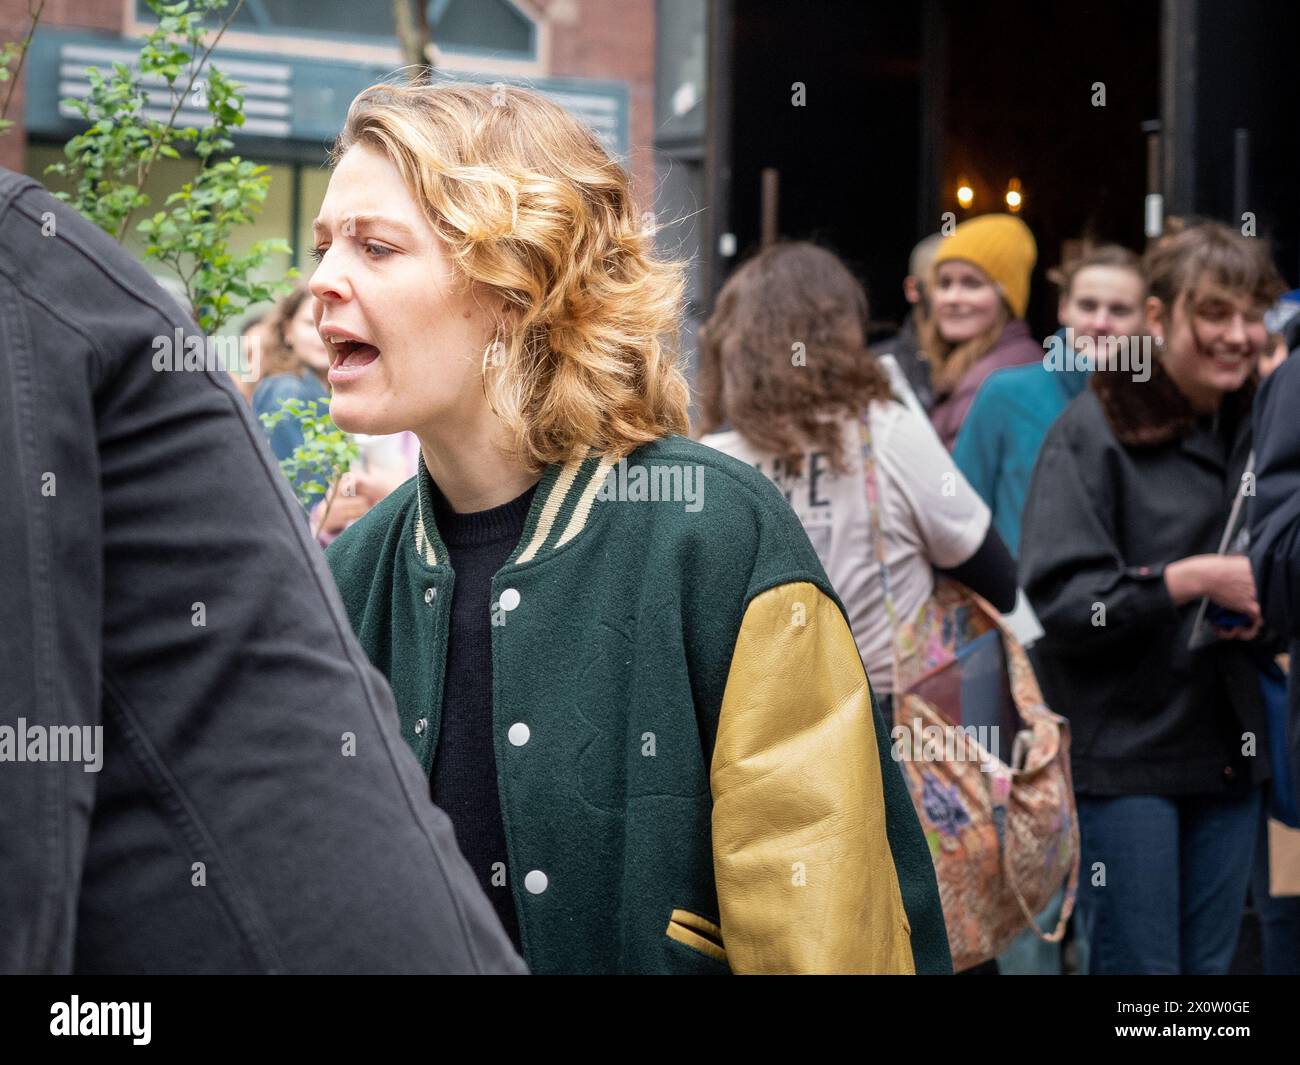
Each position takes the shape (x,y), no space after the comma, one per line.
(692,774)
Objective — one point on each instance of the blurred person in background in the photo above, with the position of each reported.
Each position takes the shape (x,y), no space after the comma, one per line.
(798,423)
(1125,512)
(295,363)
(258,341)
(386,462)
(905,345)
(979,292)
(1102,297)
(1275,562)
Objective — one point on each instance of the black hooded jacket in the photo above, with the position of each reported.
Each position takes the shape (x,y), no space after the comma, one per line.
(1130,479)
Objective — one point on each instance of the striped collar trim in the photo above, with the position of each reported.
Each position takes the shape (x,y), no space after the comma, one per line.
(560,511)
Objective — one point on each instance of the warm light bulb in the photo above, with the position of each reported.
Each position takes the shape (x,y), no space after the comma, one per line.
(965,195)
(1013,197)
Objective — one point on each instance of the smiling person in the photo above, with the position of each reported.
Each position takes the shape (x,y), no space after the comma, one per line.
(1102,294)
(647,720)
(979,290)
(1126,507)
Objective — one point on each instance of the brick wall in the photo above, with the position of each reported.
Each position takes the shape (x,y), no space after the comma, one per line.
(614,40)
(608,39)
(14,22)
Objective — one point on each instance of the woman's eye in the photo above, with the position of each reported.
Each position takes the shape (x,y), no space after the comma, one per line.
(376,251)
(318,253)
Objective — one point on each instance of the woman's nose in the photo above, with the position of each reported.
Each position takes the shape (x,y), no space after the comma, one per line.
(328,282)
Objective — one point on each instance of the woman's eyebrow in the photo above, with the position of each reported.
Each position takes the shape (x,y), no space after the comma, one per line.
(367,221)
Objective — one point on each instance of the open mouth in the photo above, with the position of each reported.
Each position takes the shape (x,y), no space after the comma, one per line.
(347,354)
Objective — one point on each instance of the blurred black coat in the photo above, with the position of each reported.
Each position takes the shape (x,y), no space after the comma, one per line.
(257,809)
(1129,480)
(1275,521)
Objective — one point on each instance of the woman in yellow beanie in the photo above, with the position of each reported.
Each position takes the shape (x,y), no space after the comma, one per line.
(979,285)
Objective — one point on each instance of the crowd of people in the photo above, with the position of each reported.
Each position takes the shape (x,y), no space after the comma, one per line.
(662,733)
(1109,478)
(1092,471)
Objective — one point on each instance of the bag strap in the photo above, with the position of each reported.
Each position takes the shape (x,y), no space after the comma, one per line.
(1003,786)
(874,506)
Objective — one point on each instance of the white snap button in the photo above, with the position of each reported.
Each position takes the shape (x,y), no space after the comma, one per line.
(421,725)
(430,594)
(509,599)
(518,734)
(535,881)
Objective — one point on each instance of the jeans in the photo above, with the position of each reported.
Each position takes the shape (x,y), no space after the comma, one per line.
(255,808)
(1162,883)
(1028,954)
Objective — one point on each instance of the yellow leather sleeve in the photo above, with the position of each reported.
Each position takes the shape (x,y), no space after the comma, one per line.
(805,877)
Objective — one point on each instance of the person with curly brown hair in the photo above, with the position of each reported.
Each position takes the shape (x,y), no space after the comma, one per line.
(784,367)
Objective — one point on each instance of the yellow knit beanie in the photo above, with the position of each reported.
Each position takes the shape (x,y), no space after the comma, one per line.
(1003,247)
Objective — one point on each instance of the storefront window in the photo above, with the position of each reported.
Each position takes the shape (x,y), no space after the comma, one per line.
(477,27)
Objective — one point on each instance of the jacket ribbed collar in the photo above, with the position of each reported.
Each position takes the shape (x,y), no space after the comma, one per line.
(561,510)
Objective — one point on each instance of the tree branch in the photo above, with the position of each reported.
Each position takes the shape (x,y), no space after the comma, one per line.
(22,54)
(171,119)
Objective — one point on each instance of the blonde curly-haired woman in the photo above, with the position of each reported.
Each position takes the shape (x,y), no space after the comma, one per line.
(613,650)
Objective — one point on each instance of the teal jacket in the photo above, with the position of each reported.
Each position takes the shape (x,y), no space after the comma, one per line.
(999,441)
(703,784)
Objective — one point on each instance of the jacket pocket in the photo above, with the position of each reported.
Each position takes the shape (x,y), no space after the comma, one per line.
(697,933)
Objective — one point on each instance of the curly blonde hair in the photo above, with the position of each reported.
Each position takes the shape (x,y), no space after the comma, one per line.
(532,207)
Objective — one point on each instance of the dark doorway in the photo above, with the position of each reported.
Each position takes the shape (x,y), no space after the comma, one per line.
(902,99)
(1025,100)
(847,157)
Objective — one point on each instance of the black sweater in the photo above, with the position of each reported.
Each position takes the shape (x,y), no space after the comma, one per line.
(464,778)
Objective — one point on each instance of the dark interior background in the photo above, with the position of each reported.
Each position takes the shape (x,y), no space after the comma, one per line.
(902,99)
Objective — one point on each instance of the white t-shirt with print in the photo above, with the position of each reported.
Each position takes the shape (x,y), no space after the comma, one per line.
(930,516)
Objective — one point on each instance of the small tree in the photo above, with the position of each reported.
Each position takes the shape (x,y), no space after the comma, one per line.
(110,162)
(324,456)
(411,20)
